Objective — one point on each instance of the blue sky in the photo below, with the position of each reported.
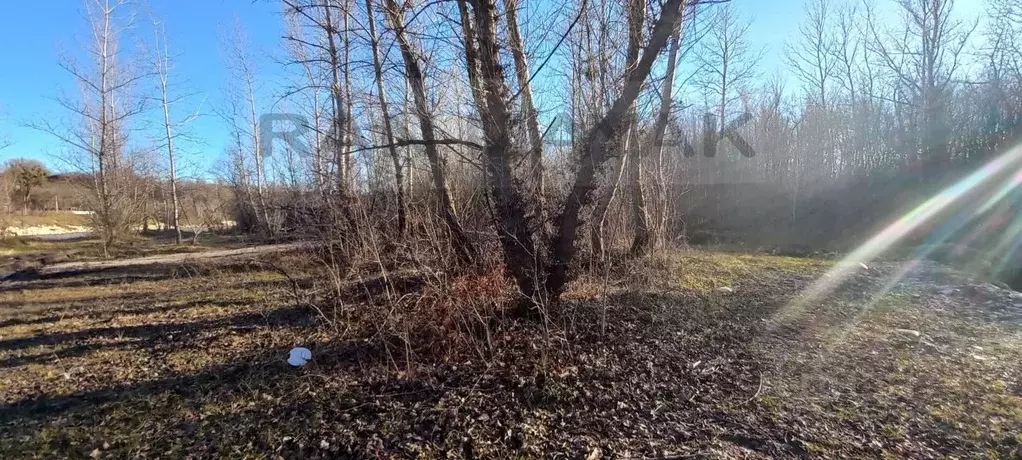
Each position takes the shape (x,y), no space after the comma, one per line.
(32,41)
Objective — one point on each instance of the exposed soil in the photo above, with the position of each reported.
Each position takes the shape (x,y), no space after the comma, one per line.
(657,362)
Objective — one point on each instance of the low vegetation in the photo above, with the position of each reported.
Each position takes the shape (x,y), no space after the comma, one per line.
(651,360)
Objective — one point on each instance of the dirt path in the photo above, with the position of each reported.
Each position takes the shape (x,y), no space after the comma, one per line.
(72,267)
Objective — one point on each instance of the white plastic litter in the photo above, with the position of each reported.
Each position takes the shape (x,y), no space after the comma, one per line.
(299,356)
(725,290)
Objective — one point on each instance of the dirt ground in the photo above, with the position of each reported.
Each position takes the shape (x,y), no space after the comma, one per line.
(183,359)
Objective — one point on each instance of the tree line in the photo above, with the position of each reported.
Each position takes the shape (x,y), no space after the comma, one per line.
(546,136)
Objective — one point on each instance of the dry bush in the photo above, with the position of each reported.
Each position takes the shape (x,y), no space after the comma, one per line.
(417,312)
(408,296)
(448,319)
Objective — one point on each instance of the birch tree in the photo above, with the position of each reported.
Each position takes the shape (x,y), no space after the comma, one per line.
(162,64)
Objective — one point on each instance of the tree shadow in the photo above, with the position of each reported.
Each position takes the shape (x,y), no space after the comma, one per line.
(102,276)
(145,336)
(264,367)
(223,374)
(84,310)
(257,392)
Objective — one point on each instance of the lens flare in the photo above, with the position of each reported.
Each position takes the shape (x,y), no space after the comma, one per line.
(998,178)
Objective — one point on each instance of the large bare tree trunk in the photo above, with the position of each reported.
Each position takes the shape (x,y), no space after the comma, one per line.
(482,56)
(388,132)
(521,255)
(599,141)
(463,246)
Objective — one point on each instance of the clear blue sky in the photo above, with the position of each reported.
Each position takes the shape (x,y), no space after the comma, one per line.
(32,39)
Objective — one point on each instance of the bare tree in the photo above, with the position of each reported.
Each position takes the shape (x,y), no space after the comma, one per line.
(1005,35)
(727,60)
(463,246)
(628,163)
(339,139)
(388,131)
(812,57)
(599,140)
(329,47)
(244,116)
(639,214)
(303,49)
(345,161)
(511,200)
(657,148)
(105,111)
(161,59)
(923,59)
(525,89)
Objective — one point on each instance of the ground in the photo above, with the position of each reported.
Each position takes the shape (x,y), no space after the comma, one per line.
(650,359)
(32,255)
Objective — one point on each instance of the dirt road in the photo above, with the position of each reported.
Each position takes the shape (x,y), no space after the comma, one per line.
(97,265)
(166,258)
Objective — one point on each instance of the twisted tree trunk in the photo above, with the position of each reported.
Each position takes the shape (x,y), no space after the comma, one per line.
(599,141)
